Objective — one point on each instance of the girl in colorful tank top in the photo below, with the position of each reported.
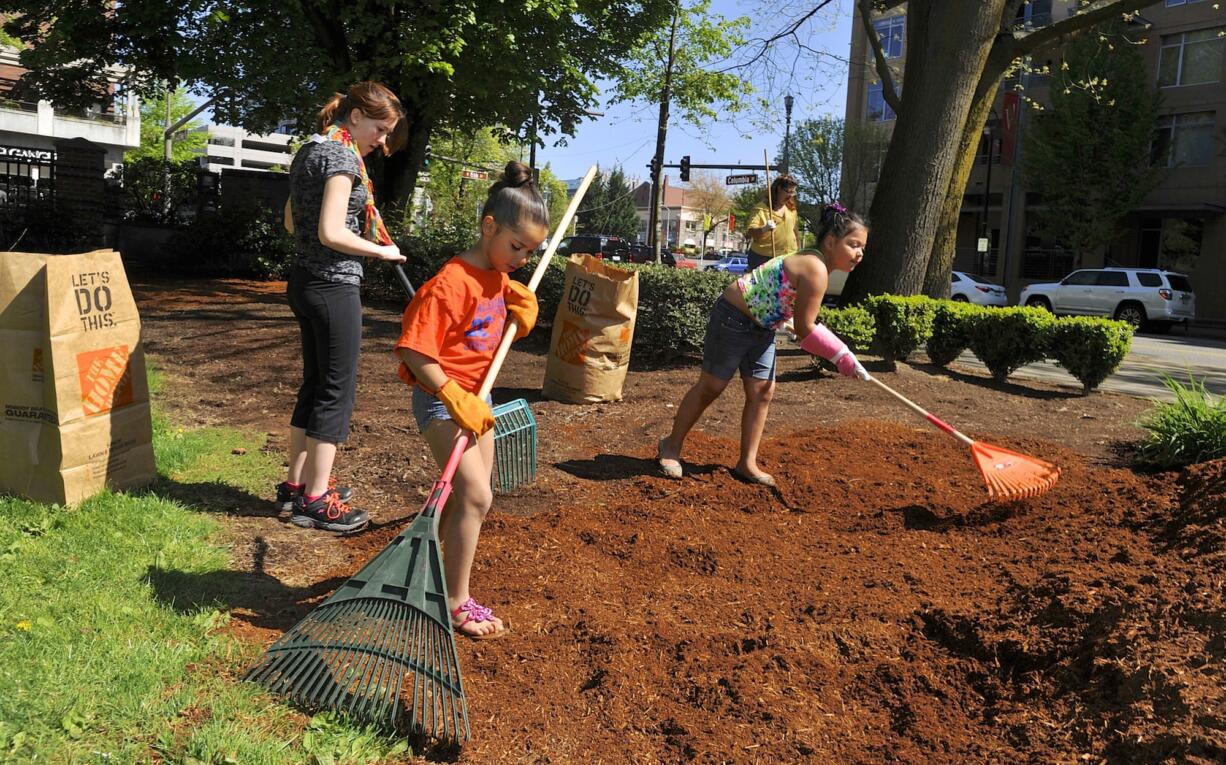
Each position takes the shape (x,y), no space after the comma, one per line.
(741,337)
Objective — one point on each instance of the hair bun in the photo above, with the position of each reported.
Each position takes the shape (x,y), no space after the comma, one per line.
(516,174)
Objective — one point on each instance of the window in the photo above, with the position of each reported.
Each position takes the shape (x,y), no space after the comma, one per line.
(1173,3)
(1183,140)
(1191,58)
(1179,282)
(1034,13)
(878,109)
(1112,279)
(1080,278)
(1149,280)
(890,31)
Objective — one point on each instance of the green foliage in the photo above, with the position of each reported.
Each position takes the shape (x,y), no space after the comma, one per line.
(1190,429)
(608,207)
(556,196)
(674,304)
(903,323)
(1086,154)
(816,159)
(854,325)
(455,203)
(1007,339)
(700,94)
(239,241)
(951,330)
(143,180)
(189,142)
(1090,348)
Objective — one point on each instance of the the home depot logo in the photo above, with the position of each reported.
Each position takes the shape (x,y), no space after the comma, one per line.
(572,342)
(36,366)
(106,379)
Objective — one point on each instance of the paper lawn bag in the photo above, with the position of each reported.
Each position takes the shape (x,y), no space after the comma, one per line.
(590,349)
(74,403)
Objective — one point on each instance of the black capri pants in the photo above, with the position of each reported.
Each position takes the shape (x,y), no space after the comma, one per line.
(330,317)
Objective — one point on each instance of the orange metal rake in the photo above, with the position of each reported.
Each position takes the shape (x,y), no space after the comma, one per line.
(1009,475)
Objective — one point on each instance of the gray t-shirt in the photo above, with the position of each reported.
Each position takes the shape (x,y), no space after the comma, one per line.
(313,165)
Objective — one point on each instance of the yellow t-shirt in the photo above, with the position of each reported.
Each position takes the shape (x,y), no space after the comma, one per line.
(784,235)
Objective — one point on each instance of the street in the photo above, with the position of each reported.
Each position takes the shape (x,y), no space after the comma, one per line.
(1141,372)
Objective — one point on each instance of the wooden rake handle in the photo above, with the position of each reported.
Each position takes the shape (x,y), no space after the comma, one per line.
(443,485)
(932,418)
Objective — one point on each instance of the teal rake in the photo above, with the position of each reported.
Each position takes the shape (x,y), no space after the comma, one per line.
(382,646)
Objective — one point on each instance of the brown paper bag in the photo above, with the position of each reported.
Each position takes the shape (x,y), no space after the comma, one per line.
(589,352)
(74,401)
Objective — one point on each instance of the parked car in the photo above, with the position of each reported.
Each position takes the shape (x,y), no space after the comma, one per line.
(612,248)
(969,288)
(641,253)
(733,264)
(1140,296)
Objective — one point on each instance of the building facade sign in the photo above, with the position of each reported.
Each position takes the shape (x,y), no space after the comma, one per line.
(26,154)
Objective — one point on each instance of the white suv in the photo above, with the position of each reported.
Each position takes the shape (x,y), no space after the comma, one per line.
(1135,295)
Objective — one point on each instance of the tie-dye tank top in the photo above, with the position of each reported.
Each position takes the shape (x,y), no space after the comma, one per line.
(768,293)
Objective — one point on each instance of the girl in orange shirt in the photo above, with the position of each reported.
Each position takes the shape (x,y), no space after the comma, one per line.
(450,333)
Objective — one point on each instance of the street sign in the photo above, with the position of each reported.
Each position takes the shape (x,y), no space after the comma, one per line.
(475,175)
(983,244)
(734,180)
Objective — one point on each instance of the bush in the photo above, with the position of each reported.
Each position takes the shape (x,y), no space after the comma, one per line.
(951,330)
(243,241)
(1091,349)
(425,251)
(903,323)
(1009,338)
(1190,429)
(854,325)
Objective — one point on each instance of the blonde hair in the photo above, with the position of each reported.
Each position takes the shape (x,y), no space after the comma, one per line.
(375,101)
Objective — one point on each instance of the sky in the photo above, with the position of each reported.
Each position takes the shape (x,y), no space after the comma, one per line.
(818,83)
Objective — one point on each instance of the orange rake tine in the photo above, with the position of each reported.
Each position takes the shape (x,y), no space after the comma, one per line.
(1009,475)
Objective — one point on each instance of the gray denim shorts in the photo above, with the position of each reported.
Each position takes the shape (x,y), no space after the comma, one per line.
(734,341)
(427,408)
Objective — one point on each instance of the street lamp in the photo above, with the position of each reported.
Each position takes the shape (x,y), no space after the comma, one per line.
(787,135)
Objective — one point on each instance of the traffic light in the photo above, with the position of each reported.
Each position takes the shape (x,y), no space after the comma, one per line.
(655,168)
(685,168)
(425,160)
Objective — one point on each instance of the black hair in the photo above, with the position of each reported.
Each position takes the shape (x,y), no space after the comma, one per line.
(514,198)
(838,221)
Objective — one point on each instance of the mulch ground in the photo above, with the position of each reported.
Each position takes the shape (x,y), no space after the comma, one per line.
(873,609)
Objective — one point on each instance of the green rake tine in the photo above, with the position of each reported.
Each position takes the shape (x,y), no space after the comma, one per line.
(324,685)
(419,660)
(355,661)
(371,707)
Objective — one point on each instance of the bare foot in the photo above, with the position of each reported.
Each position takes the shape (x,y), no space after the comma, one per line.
(753,475)
(668,459)
(474,620)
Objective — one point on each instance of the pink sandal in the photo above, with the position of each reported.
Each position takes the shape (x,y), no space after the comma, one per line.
(475,612)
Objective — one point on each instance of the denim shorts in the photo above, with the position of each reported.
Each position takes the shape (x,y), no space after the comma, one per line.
(427,408)
(734,341)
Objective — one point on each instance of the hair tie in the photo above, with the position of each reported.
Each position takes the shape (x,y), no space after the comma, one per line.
(838,208)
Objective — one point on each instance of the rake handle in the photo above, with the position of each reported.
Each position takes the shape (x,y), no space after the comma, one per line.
(932,418)
(442,487)
(404,280)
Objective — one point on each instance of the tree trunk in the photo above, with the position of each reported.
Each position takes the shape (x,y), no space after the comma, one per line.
(666,95)
(940,263)
(940,85)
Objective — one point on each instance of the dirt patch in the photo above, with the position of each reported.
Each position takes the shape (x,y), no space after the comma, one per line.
(873,609)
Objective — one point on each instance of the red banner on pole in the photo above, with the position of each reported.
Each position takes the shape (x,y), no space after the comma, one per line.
(1012,110)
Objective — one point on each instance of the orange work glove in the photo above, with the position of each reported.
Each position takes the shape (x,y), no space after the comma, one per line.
(468,411)
(521,304)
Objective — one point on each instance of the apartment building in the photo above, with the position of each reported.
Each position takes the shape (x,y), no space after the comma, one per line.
(232,147)
(1180,225)
(681,221)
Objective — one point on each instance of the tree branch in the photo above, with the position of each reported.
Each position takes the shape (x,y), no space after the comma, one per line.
(789,30)
(329,32)
(1025,43)
(883,69)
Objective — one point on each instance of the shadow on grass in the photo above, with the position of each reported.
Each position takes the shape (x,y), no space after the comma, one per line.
(263,600)
(211,497)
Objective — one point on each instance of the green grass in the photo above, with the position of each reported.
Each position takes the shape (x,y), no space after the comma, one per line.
(98,666)
(1190,429)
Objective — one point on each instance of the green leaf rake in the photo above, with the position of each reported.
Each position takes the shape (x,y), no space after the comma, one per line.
(381,648)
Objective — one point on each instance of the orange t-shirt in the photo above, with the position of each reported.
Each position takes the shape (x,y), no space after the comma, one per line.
(457,318)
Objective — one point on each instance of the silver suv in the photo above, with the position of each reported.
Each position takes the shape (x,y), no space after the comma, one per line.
(1139,296)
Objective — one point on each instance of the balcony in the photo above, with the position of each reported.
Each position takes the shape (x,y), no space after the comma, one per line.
(106,127)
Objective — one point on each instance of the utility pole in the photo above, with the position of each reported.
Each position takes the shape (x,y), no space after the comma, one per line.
(167,145)
(657,161)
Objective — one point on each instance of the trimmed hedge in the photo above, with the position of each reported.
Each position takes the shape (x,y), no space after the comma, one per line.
(854,325)
(951,330)
(1091,349)
(1009,338)
(903,323)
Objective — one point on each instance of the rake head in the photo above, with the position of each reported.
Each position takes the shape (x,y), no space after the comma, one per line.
(1010,475)
(380,646)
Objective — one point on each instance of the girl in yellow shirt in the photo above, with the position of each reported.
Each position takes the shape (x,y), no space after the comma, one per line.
(774,232)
